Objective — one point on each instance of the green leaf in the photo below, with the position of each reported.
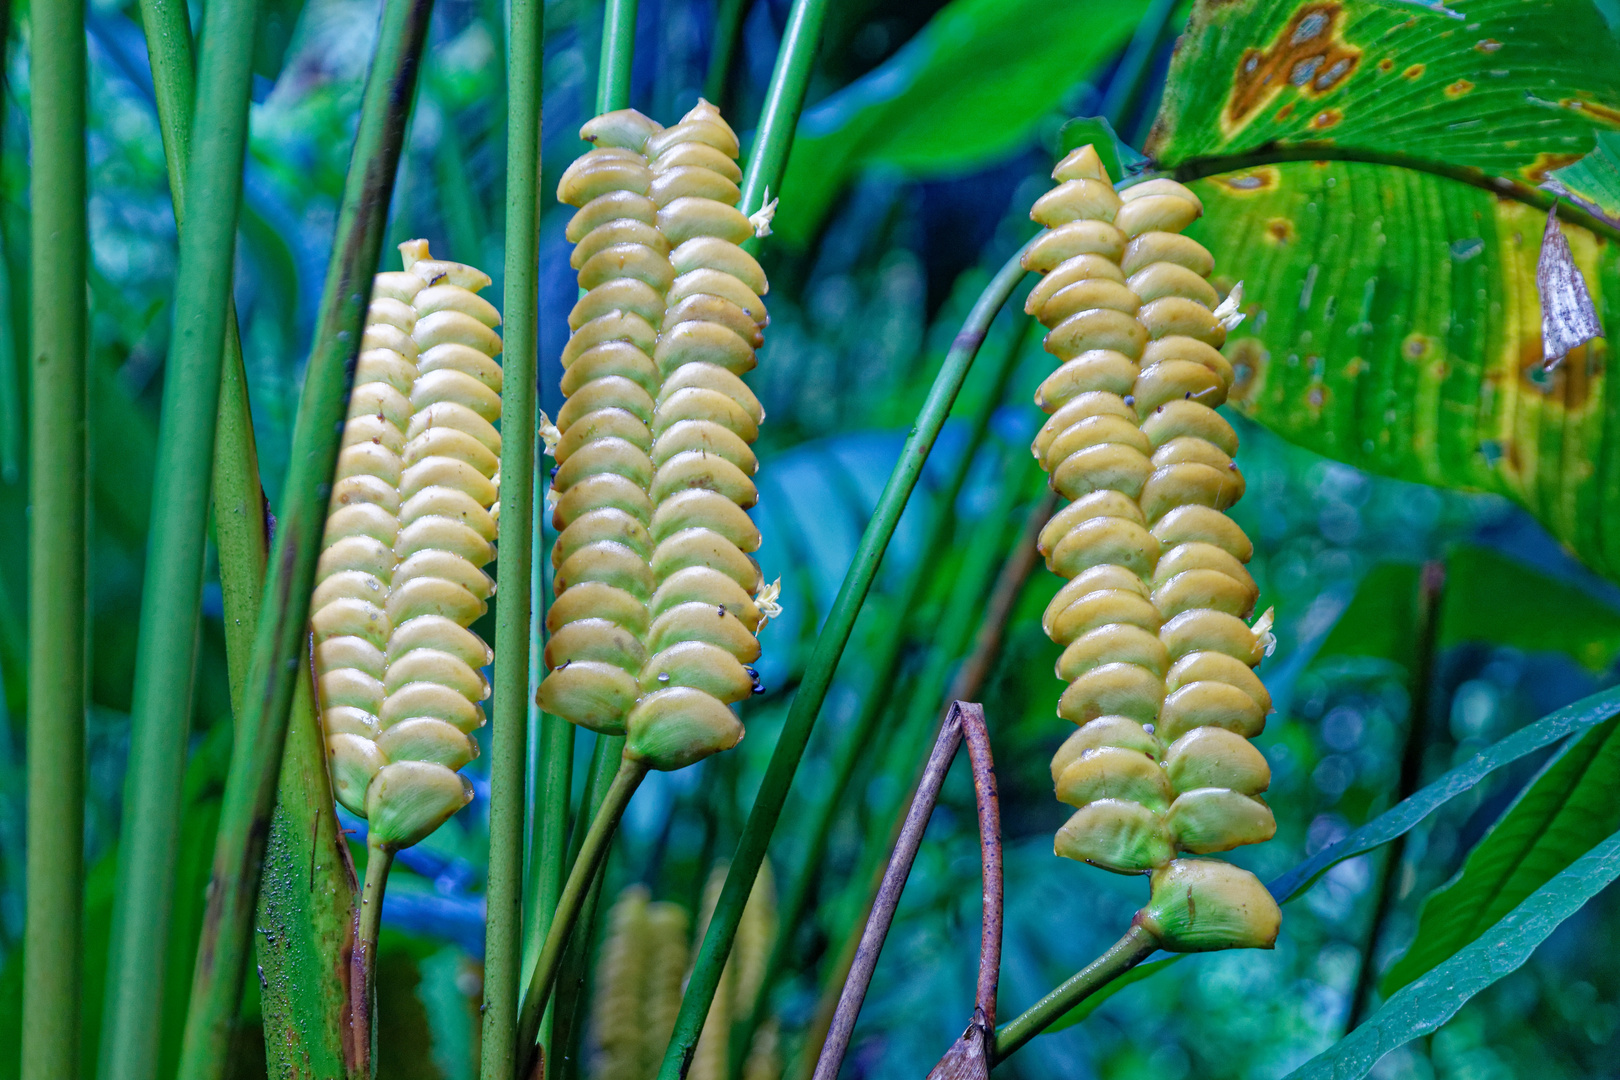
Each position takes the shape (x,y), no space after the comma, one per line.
(1387,826)
(1505,89)
(1429,1002)
(1095,1001)
(1562,814)
(1118,156)
(969,88)
(1594,181)
(1498,600)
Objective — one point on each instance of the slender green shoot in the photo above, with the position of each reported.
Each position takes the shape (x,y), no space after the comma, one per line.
(53,946)
(256,755)
(503,933)
(784,100)
(801,717)
(11,396)
(593,850)
(885,666)
(728,21)
(160,723)
(618,52)
(1123,955)
(379,858)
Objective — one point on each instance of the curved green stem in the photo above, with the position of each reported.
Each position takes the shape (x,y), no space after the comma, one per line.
(592,853)
(53,936)
(261,730)
(618,50)
(379,860)
(503,935)
(784,100)
(160,721)
(812,692)
(1123,955)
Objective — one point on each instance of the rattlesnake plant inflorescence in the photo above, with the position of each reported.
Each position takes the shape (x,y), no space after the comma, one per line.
(412,521)
(1156,652)
(658,597)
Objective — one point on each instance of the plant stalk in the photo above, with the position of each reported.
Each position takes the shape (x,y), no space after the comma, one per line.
(1123,955)
(784,101)
(618,52)
(818,676)
(171,594)
(728,21)
(885,664)
(53,944)
(503,935)
(280,634)
(368,926)
(592,853)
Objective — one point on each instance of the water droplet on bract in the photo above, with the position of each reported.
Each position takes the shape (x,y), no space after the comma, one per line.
(663,676)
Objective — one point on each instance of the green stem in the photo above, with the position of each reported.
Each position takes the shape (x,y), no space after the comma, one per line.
(11,396)
(1126,85)
(1123,955)
(885,665)
(592,852)
(618,50)
(379,859)
(727,25)
(812,692)
(503,933)
(784,100)
(256,755)
(171,594)
(53,947)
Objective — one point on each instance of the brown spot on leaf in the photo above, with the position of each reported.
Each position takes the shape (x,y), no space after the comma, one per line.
(1281,231)
(1254,182)
(1285,112)
(1570,383)
(1326,118)
(1489,45)
(1308,54)
(1536,172)
(1386,65)
(1248,358)
(1356,367)
(1415,71)
(1459,88)
(1604,114)
(1418,346)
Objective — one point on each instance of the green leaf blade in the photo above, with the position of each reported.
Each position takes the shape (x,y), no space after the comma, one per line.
(1567,809)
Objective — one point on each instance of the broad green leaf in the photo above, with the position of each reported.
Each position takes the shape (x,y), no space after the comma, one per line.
(1562,814)
(969,88)
(1380,619)
(1495,599)
(1394,324)
(1577,717)
(1429,1002)
(1505,89)
(1594,181)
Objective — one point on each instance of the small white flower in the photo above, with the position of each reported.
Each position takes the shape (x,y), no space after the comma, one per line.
(1227,314)
(1262,631)
(761,219)
(549,434)
(766,601)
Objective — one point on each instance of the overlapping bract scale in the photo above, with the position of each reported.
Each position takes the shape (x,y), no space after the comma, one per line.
(655,616)
(1157,652)
(410,526)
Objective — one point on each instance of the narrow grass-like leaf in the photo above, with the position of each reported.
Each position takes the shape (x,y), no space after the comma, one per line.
(160,722)
(261,730)
(1567,809)
(1424,1005)
(53,945)
(503,934)
(812,692)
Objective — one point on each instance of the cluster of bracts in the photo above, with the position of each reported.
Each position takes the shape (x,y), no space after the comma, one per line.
(1157,654)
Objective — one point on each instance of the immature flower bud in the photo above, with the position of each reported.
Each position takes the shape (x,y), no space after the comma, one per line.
(1200,905)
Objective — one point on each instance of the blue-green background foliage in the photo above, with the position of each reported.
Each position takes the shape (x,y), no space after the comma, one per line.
(930,128)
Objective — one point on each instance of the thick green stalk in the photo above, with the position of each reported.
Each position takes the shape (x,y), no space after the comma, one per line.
(53,944)
(1123,955)
(171,594)
(784,100)
(727,25)
(593,850)
(618,50)
(503,933)
(885,665)
(812,692)
(261,730)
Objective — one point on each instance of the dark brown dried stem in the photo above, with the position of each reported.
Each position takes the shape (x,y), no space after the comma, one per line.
(962,715)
